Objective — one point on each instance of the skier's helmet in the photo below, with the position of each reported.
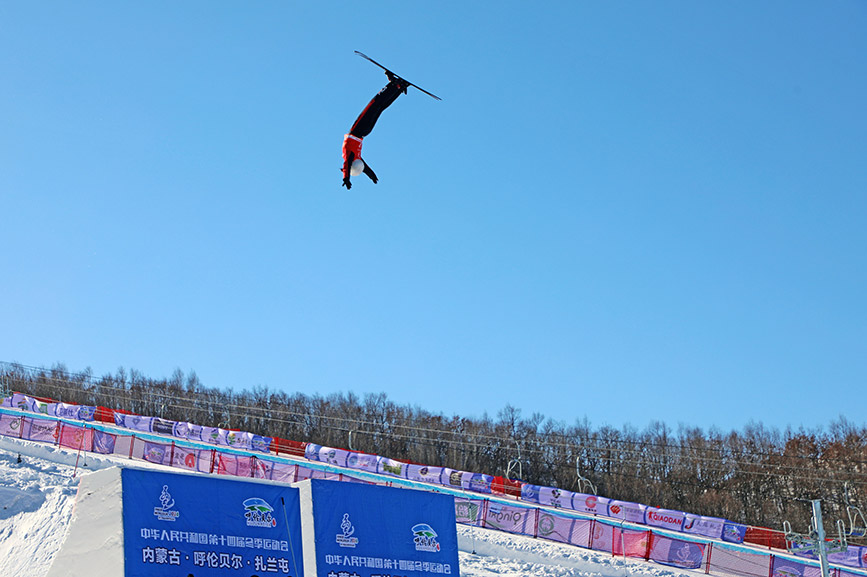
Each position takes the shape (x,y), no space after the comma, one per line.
(357,167)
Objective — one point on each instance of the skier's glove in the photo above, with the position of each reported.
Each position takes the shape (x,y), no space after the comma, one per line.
(346,183)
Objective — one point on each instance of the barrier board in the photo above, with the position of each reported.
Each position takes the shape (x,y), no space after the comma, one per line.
(362,530)
(177,524)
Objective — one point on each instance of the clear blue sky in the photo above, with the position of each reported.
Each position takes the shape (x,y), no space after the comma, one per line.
(629,211)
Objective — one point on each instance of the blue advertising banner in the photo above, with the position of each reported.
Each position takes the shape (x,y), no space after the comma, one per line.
(371,531)
(177,524)
(734,532)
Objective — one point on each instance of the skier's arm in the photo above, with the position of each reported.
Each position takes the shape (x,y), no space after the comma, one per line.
(370,174)
(346,165)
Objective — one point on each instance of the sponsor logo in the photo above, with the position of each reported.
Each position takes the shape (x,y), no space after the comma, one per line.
(662,518)
(546,525)
(425,538)
(615,509)
(591,502)
(166,511)
(346,539)
(331,456)
(258,513)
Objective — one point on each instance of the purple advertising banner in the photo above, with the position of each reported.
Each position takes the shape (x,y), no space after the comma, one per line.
(590,504)
(632,512)
(664,518)
(476,482)
(40,430)
(676,552)
(706,526)
(424,474)
(10,426)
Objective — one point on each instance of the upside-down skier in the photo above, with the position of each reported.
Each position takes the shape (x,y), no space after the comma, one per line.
(353,164)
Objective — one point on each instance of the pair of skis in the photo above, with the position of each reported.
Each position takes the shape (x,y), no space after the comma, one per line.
(366,57)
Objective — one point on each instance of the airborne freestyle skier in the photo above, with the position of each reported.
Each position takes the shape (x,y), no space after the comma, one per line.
(352,162)
(353,165)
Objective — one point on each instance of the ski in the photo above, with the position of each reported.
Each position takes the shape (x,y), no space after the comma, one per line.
(366,57)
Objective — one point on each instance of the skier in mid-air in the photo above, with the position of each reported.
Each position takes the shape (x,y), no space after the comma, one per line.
(353,164)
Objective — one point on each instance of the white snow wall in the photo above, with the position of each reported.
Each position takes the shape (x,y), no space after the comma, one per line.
(94,543)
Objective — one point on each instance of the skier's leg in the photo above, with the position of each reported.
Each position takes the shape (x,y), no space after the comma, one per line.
(368,117)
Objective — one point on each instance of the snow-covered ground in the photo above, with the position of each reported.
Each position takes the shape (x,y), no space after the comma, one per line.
(38,488)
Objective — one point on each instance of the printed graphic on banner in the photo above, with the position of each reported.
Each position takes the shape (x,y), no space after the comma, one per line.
(362,461)
(554,527)
(782,567)
(684,554)
(734,532)
(10,426)
(467,511)
(391,467)
(367,530)
(530,493)
(178,524)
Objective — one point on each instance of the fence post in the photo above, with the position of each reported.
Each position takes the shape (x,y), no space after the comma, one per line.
(709,553)
(647,546)
(592,531)
(21,427)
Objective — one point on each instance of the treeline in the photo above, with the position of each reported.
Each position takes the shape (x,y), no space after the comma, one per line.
(758,476)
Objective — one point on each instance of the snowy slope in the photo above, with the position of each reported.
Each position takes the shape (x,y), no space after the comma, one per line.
(38,496)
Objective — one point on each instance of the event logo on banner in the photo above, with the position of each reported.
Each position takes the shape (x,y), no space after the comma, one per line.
(177,524)
(258,513)
(345,538)
(425,538)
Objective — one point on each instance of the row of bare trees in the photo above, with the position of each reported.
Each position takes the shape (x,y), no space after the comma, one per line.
(757,476)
